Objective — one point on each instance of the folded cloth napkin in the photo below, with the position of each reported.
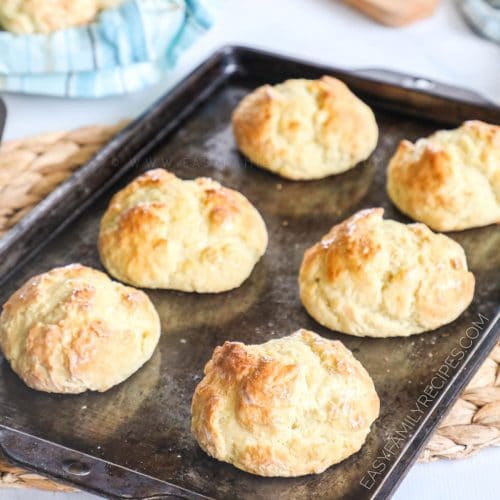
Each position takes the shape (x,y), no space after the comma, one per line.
(483,16)
(126,49)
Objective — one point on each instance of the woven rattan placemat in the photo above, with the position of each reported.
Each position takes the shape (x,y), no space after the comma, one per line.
(32,168)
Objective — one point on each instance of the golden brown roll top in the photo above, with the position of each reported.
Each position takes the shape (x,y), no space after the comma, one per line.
(374,277)
(194,236)
(72,329)
(305,129)
(450,180)
(288,407)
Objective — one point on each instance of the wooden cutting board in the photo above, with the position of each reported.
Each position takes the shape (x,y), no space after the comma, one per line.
(395,12)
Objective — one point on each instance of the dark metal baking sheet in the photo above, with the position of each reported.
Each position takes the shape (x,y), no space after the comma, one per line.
(134,440)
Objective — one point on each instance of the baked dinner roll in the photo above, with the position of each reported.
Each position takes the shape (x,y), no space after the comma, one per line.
(450,180)
(380,278)
(46,16)
(72,329)
(305,129)
(289,407)
(194,236)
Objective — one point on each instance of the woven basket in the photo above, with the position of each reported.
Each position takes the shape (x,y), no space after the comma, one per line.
(32,168)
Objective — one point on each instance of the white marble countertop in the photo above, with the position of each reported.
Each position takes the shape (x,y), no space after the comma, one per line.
(441,48)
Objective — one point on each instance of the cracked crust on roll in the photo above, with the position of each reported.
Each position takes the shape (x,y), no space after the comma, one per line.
(380,278)
(289,407)
(305,129)
(194,236)
(44,16)
(73,329)
(450,180)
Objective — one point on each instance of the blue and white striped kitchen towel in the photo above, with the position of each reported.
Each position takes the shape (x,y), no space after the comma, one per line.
(126,49)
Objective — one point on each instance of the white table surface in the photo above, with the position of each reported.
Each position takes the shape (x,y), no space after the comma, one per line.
(441,48)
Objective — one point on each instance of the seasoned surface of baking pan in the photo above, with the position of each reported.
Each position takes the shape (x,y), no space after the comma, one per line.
(135,440)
